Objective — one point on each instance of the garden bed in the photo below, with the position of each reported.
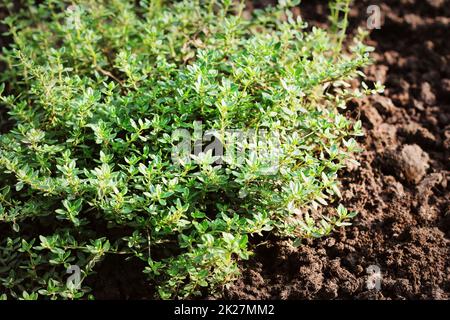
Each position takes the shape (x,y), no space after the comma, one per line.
(400,190)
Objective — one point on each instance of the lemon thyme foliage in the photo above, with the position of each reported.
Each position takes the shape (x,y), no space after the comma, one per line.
(96,92)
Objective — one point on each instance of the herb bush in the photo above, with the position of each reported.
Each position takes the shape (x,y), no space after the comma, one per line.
(95,91)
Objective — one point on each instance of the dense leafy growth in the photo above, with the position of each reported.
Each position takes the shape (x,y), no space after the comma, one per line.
(98,94)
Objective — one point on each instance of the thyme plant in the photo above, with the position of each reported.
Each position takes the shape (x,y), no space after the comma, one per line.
(95,91)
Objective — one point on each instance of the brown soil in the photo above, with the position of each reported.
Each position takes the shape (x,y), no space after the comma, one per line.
(401,188)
